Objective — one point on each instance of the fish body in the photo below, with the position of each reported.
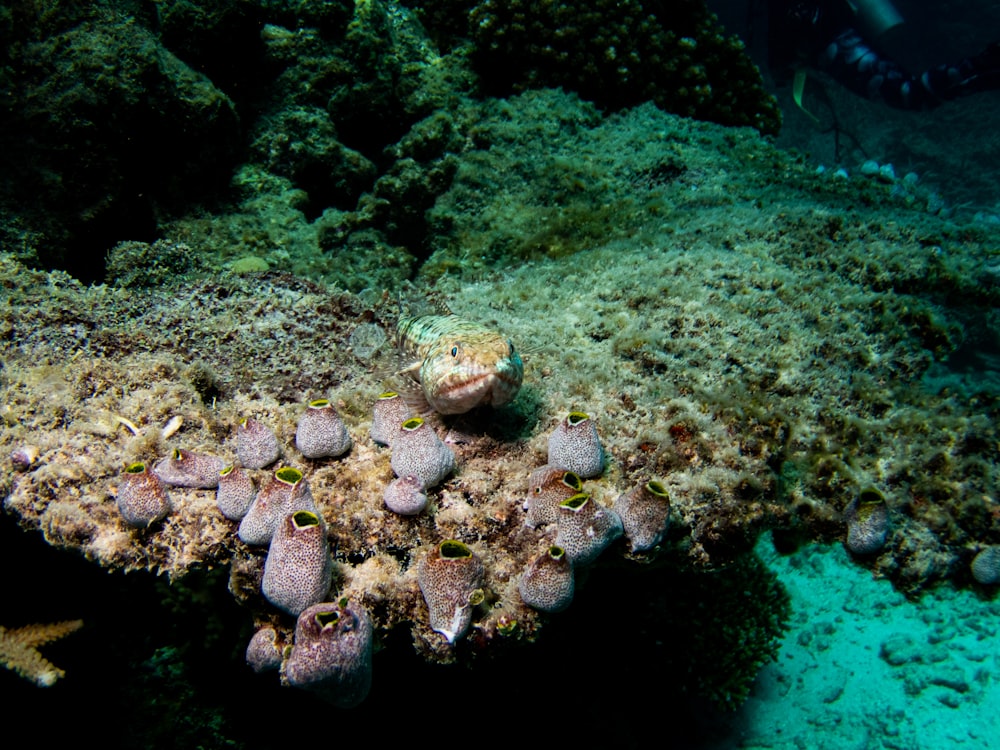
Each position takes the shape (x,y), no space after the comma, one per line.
(458,363)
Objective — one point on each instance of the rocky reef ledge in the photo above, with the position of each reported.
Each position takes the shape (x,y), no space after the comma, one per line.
(767,343)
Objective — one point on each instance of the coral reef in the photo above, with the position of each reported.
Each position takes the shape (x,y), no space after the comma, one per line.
(763,365)
(19,650)
(619,54)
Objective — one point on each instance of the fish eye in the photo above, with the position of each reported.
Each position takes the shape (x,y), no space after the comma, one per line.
(454,351)
(510,348)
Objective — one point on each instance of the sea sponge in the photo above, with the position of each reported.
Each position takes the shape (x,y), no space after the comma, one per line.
(332,653)
(547,584)
(285,492)
(321,433)
(263,653)
(645,514)
(585,528)
(986,566)
(236,492)
(389,413)
(450,577)
(298,569)
(405,495)
(184,468)
(547,488)
(142,498)
(867,518)
(417,450)
(574,445)
(256,444)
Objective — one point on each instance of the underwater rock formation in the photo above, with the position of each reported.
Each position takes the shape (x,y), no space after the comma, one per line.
(759,338)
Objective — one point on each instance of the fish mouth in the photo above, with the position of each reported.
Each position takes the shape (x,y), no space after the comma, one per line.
(457,395)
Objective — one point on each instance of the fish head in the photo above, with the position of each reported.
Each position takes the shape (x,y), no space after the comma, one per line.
(459,374)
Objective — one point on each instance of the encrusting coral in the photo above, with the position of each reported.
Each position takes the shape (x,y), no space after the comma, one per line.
(19,650)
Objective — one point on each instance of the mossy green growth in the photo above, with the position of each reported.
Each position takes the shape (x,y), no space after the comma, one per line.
(288,475)
(452,549)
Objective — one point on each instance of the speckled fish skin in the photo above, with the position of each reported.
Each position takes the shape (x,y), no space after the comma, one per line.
(460,364)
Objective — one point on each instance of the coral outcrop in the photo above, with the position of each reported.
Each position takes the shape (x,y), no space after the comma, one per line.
(756,336)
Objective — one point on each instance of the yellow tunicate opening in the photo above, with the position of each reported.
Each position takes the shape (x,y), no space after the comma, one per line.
(412,424)
(386,395)
(452,549)
(288,475)
(575,417)
(572,480)
(870,496)
(655,488)
(327,619)
(576,502)
(320,403)
(136,468)
(303,519)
